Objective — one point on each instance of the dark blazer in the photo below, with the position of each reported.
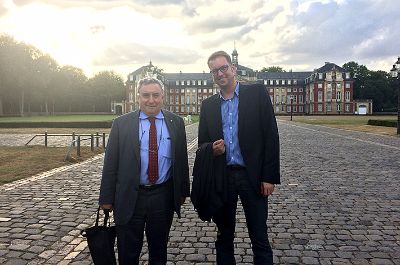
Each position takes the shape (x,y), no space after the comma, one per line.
(121,170)
(257,132)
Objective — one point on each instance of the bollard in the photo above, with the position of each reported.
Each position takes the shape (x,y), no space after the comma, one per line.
(91,142)
(97,139)
(73,139)
(104,140)
(78,147)
(45,139)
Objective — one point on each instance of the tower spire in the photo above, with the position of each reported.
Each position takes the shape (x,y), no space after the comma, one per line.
(235,55)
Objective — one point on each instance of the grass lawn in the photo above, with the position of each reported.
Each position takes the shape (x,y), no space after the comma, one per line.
(21,162)
(353,122)
(58,118)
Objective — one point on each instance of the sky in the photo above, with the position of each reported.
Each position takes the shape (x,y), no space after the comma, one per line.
(179,35)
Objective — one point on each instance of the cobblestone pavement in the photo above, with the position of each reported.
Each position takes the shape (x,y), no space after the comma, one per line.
(339,203)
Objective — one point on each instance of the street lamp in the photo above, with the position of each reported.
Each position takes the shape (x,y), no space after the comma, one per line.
(291,107)
(395,72)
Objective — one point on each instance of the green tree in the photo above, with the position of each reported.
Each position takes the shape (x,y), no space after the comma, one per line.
(272,69)
(106,86)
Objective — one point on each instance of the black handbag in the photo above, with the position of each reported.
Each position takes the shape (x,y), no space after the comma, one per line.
(101,240)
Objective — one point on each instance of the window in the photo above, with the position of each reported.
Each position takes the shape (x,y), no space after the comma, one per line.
(276,82)
(319,96)
(300,89)
(329,95)
(187,90)
(289,90)
(193,98)
(182,108)
(283,82)
(288,109)
(187,109)
(347,75)
(294,99)
(265,82)
(294,82)
(294,108)
(319,85)
(199,82)
(187,99)
(176,99)
(182,83)
(319,75)
(277,109)
(319,107)
(300,99)
(338,96)
(171,99)
(277,99)
(328,107)
(347,96)
(210,90)
(289,82)
(176,109)
(347,85)
(301,109)
(338,107)
(295,89)
(288,99)
(204,82)
(130,96)
(188,82)
(347,107)
(338,85)
(177,82)
(193,82)
(283,99)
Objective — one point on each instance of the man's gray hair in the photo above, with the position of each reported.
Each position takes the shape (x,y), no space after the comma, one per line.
(148,81)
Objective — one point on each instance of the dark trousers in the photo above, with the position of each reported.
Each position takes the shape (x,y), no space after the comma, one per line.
(153,214)
(256,211)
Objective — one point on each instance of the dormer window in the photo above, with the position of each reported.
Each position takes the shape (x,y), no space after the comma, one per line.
(319,75)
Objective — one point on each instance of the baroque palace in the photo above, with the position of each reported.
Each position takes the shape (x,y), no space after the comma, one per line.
(326,90)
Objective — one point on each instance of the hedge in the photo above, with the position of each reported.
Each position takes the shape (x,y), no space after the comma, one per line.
(72,124)
(386,123)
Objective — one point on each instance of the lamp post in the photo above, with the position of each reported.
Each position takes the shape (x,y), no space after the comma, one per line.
(291,107)
(395,73)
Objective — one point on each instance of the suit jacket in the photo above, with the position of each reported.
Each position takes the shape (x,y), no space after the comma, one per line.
(257,132)
(121,171)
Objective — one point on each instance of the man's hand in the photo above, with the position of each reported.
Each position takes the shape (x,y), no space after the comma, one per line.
(107,207)
(183,199)
(267,188)
(218,147)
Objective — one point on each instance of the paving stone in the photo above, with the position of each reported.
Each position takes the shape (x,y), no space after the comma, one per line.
(329,208)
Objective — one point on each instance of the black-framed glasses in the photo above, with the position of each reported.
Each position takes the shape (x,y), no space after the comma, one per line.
(222,69)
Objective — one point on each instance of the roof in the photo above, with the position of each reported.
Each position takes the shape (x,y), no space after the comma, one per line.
(241,67)
(329,67)
(187,76)
(283,75)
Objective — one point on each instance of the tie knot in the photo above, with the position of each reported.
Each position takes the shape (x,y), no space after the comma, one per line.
(152,119)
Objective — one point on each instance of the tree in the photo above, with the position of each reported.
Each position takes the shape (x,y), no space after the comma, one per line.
(272,69)
(105,87)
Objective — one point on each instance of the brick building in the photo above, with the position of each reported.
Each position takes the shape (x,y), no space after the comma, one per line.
(326,90)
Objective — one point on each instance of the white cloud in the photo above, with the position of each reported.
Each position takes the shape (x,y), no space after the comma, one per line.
(180,34)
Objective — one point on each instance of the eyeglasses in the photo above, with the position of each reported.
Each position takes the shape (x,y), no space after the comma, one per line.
(222,69)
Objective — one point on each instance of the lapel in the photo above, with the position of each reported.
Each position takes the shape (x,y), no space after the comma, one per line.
(135,138)
(172,128)
(241,112)
(216,109)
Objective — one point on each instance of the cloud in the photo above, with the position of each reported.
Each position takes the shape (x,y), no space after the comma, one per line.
(134,53)
(97,28)
(337,31)
(211,24)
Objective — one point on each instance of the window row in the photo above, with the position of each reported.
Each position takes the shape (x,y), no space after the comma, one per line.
(191,82)
(191,90)
(280,82)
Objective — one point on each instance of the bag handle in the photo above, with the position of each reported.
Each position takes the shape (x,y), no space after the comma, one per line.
(106,216)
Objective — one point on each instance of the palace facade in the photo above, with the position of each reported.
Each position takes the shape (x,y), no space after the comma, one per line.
(326,90)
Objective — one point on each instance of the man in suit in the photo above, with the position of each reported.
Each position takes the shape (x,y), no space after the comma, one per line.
(240,123)
(145,175)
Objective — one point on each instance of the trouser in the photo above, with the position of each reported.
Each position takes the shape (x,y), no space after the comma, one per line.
(153,214)
(256,211)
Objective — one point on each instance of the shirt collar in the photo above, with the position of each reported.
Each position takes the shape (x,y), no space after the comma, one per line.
(235,93)
(144,116)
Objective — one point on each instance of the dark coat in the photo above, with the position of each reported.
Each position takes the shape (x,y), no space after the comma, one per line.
(121,171)
(208,191)
(257,132)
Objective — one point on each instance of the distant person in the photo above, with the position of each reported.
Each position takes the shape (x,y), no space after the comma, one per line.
(145,175)
(240,124)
